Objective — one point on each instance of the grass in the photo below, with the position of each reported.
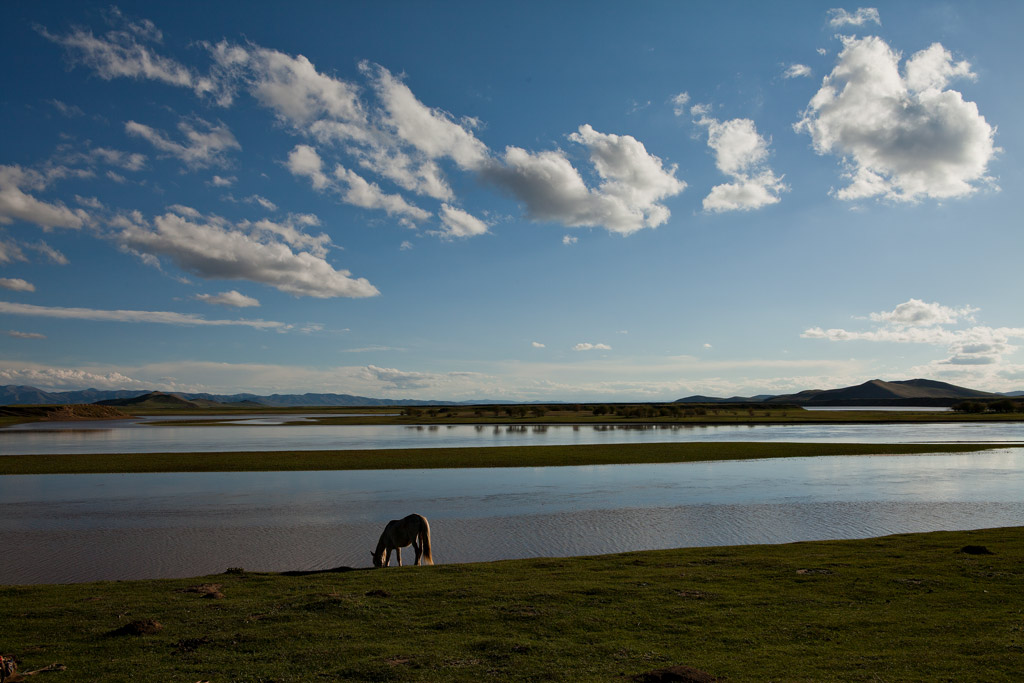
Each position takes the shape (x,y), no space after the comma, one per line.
(430,458)
(899,608)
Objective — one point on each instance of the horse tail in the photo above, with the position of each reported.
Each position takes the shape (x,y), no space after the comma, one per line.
(425,541)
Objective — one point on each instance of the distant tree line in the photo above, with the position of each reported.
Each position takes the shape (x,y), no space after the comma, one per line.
(1001,406)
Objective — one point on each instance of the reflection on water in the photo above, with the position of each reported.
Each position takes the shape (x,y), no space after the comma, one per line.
(59,528)
(150,436)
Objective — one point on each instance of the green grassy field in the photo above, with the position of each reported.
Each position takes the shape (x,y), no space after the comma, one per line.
(430,458)
(899,608)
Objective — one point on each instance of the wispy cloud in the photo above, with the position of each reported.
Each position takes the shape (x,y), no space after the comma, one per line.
(131,316)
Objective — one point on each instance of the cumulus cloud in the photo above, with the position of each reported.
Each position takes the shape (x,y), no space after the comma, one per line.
(587,346)
(901,136)
(537,345)
(741,153)
(389,132)
(303,160)
(569,240)
(16,204)
(200,149)
(864,15)
(17,284)
(218,181)
(212,248)
(633,183)
(797,71)
(459,223)
(229,298)
(130,316)
(918,322)
(919,313)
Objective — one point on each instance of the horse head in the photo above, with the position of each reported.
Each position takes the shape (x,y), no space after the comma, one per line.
(378,559)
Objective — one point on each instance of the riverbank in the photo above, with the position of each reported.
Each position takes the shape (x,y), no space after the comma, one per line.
(936,606)
(433,458)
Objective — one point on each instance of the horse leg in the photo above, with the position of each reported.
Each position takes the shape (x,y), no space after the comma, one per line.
(419,552)
(398,554)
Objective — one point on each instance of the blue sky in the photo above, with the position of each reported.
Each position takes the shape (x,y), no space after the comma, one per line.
(526,201)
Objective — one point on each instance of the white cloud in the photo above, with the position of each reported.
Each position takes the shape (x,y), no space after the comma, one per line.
(900,136)
(537,345)
(918,313)
(569,240)
(917,322)
(740,152)
(628,199)
(797,71)
(25,335)
(68,110)
(458,223)
(201,149)
(406,245)
(431,131)
(398,378)
(10,251)
(587,346)
(303,160)
(17,205)
(367,195)
(118,54)
(211,248)
(262,201)
(115,157)
(49,252)
(218,181)
(229,298)
(17,284)
(864,15)
(129,316)
(679,103)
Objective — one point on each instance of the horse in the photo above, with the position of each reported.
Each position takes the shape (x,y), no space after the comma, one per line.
(399,533)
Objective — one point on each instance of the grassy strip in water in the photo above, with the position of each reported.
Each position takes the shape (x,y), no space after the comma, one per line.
(431,458)
(900,608)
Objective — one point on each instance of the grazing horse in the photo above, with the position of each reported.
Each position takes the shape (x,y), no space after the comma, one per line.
(412,530)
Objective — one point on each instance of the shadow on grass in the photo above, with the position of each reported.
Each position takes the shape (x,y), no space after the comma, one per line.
(336,570)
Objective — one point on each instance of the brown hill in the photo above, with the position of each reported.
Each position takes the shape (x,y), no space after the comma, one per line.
(924,391)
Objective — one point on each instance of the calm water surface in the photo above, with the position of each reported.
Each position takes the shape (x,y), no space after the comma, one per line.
(141,436)
(65,528)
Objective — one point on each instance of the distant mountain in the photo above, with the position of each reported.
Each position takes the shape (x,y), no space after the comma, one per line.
(906,392)
(25,395)
(1013,393)
(733,399)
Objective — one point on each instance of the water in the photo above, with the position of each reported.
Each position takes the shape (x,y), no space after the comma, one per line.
(65,528)
(148,436)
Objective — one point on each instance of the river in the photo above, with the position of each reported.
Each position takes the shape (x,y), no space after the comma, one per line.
(72,528)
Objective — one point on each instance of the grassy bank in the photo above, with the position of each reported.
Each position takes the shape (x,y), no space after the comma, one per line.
(899,608)
(430,458)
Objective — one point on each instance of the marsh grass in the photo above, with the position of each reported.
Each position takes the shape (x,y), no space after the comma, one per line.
(431,458)
(899,608)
